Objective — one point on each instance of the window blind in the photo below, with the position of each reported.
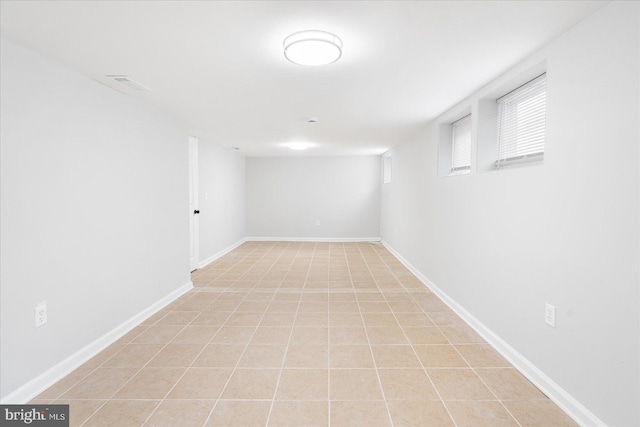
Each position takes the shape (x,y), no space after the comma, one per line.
(521,122)
(461,144)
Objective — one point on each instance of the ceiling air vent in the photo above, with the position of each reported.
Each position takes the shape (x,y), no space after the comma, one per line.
(128,81)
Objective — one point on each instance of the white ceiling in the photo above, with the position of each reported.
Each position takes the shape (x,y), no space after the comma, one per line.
(218,66)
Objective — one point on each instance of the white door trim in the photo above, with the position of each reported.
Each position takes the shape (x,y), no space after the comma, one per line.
(194,219)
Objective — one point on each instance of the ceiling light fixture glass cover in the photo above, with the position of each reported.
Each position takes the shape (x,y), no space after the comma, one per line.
(313,47)
(299,145)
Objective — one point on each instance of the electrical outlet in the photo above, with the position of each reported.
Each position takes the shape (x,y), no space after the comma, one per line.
(550,315)
(41,314)
(317,222)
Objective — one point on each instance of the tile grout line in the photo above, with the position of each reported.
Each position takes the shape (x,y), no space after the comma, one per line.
(107,400)
(412,348)
(198,355)
(208,343)
(463,358)
(375,364)
(223,259)
(284,356)
(133,376)
(191,364)
(113,355)
(444,403)
(100,365)
(244,278)
(59,396)
(470,366)
(328,340)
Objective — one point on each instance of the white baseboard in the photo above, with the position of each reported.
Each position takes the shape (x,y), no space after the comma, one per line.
(45,380)
(557,394)
(220,254)
(314,239)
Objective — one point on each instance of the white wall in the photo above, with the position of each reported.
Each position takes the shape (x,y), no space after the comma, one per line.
(93,211)
(287,195)
(502,243)
(222,198)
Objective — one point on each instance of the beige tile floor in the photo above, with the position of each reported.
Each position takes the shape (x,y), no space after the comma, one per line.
(303,334)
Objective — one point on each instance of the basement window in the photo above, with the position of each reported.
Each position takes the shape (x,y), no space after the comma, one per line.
(454,145)
(461,145)
(522,124)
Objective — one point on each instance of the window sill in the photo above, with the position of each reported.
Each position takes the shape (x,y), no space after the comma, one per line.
(519,161)
(459,171)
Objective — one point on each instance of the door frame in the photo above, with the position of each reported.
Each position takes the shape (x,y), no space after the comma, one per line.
(194,219)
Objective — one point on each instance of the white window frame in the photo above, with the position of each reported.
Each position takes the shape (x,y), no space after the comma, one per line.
(461,145)
(521,126)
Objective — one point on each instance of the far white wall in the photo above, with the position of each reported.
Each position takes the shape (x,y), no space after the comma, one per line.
(501,244)
(222,198)
(286,196)
(94,205)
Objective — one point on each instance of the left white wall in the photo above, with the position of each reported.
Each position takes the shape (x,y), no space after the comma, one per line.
(93,211)
(222,200)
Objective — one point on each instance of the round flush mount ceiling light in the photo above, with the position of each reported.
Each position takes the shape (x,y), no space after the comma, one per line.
(313,47)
